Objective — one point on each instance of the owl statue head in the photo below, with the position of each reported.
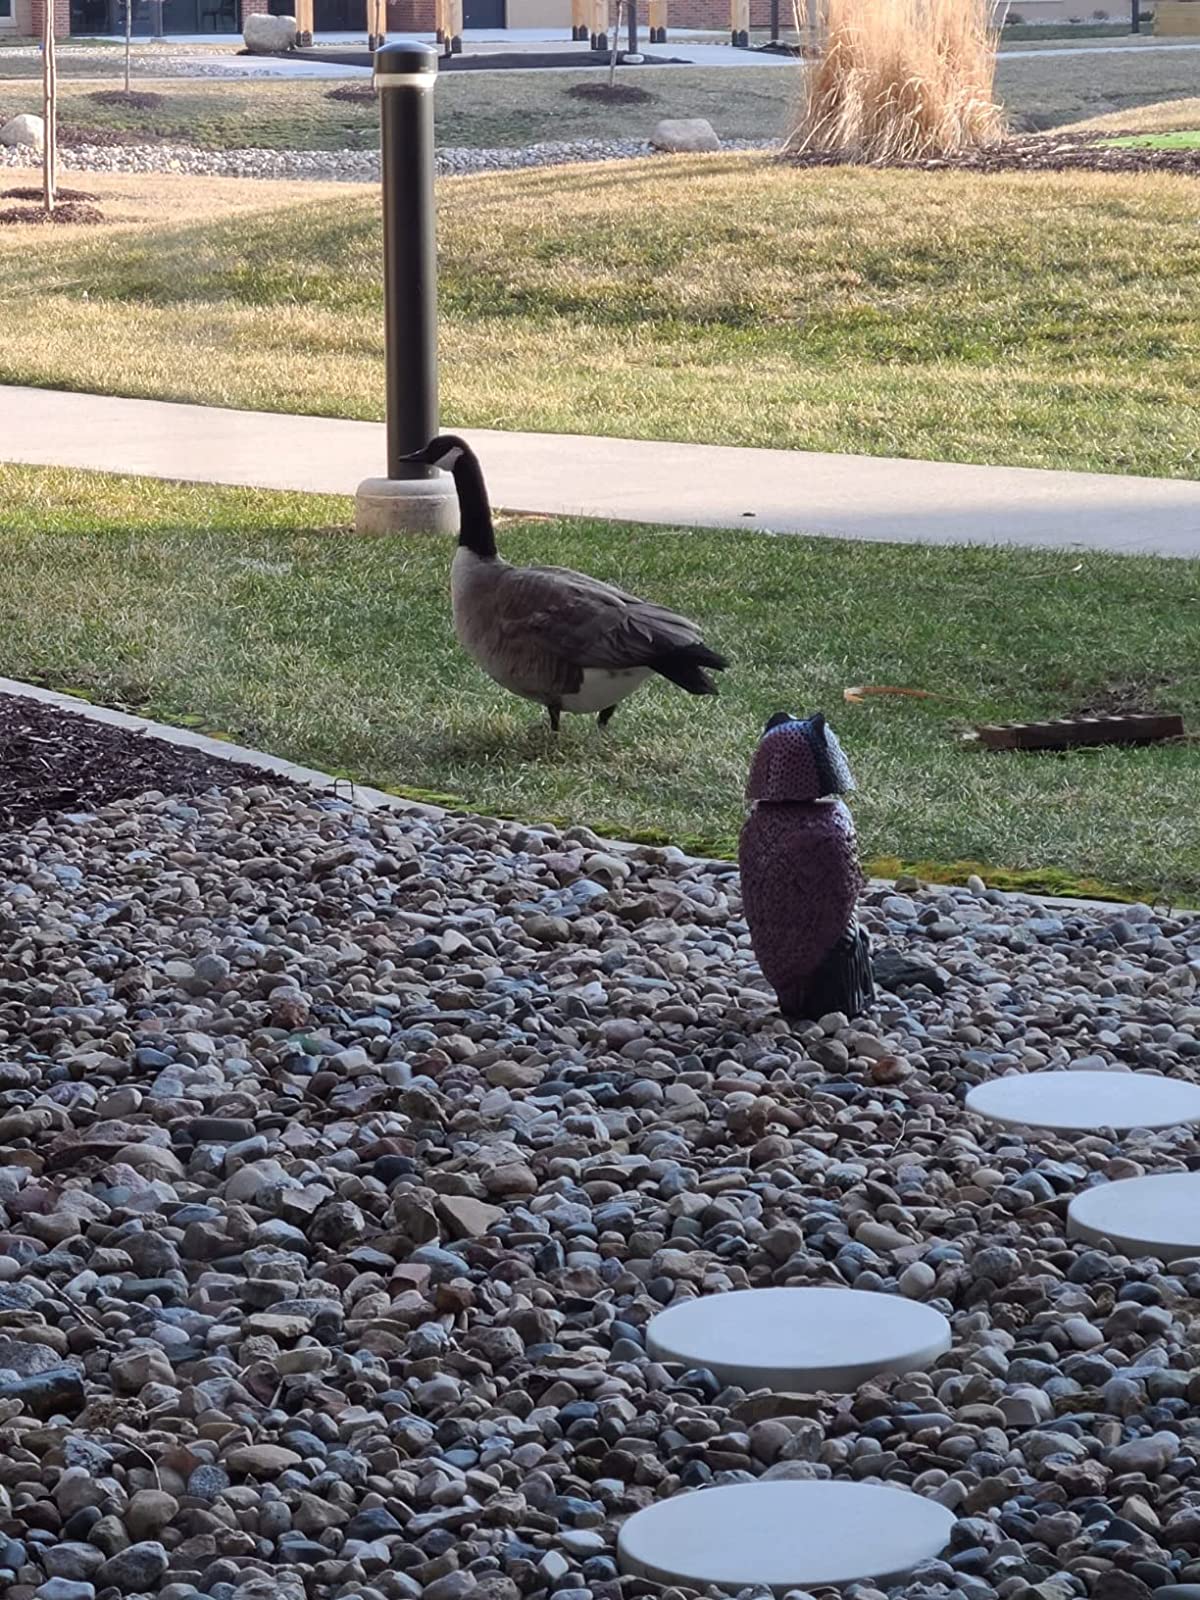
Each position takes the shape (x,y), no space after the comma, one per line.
(798,759)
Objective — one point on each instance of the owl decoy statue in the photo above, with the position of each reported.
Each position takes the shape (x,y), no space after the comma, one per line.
(800,872)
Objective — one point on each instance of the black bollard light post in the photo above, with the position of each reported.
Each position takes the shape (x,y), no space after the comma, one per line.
(413,496)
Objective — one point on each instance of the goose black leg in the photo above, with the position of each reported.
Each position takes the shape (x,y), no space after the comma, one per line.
(605,716)
(555,714)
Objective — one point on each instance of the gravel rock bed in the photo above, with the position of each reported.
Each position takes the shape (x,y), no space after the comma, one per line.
(340,166)
(345,1156)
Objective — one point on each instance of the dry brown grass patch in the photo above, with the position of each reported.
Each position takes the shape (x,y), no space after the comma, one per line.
(134,200)
(1169,116)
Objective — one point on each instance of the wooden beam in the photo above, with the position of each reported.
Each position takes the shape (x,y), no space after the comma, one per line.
(376,23)
(304,22)
(579,20)
(658,21)
(739,23)
(1078,732)
(599,24)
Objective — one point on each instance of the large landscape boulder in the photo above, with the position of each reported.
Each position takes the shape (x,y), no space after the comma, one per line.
(265,35)
(24,130)
(685,134)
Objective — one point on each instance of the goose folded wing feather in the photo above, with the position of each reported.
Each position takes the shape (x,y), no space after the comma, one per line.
(589,622)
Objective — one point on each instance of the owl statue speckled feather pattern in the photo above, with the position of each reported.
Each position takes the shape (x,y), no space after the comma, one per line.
(800,872)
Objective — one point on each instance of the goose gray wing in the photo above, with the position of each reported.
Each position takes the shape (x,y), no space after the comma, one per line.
(585,621)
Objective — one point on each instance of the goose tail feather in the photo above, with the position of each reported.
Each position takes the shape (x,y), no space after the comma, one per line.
(685,667)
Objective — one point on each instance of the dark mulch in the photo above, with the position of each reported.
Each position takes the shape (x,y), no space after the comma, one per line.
(617,94)
(52,760)
(1060,152)
(809,52)
(71,211)
(355,93)
(135,100)
(36,194)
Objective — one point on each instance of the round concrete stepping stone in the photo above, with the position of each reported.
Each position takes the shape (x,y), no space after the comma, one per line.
(799,1340)
(786,1535)
(1079,1102)
(1157,1216)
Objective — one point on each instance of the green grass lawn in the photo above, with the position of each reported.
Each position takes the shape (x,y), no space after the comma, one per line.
(1183,139)
(518,108)
(1035,320)
(258,616)
(473,109)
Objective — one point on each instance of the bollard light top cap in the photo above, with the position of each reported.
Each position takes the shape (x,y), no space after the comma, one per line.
(406,59)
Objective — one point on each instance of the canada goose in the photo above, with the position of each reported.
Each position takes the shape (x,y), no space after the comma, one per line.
(552,635)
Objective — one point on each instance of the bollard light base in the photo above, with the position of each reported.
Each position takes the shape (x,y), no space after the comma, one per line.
(406,505)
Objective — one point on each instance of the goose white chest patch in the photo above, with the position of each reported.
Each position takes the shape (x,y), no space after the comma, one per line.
(603,687)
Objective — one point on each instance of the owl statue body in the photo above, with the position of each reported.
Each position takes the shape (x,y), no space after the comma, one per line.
(800,872)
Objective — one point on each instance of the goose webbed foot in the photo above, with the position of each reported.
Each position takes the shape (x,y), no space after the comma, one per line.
(605,716)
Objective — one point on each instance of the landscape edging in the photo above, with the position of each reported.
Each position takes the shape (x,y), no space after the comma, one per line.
(371,799)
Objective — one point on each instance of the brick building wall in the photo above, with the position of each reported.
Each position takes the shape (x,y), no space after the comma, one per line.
(715,14)
(417,16)
(410,16)
(30,17)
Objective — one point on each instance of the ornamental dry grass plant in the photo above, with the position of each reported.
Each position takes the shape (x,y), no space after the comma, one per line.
(900,80)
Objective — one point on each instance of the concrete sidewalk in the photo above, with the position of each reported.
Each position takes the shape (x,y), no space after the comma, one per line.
(634,480)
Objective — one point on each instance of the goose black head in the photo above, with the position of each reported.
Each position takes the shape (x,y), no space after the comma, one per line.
(455,455)
(446,451)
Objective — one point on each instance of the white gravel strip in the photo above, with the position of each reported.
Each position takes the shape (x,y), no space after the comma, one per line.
(339,166)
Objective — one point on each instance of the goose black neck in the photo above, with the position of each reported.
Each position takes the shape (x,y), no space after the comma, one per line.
(475,513)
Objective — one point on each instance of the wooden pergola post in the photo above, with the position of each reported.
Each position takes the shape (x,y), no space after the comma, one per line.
(599,28)
(304,22)
(449,16)
(376,23)
(739,23)
(579,26)
(658,21)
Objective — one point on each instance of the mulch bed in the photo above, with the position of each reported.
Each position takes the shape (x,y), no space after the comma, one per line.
(52,760)
(1062,152)
(75,212)
(355,93)
(136,99)
(617,94)
(31,193)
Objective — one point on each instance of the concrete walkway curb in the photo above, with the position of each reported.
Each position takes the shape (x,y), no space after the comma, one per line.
(370,799)
(631,480)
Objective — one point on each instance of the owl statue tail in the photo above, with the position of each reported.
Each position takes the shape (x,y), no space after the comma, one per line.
(843,982)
